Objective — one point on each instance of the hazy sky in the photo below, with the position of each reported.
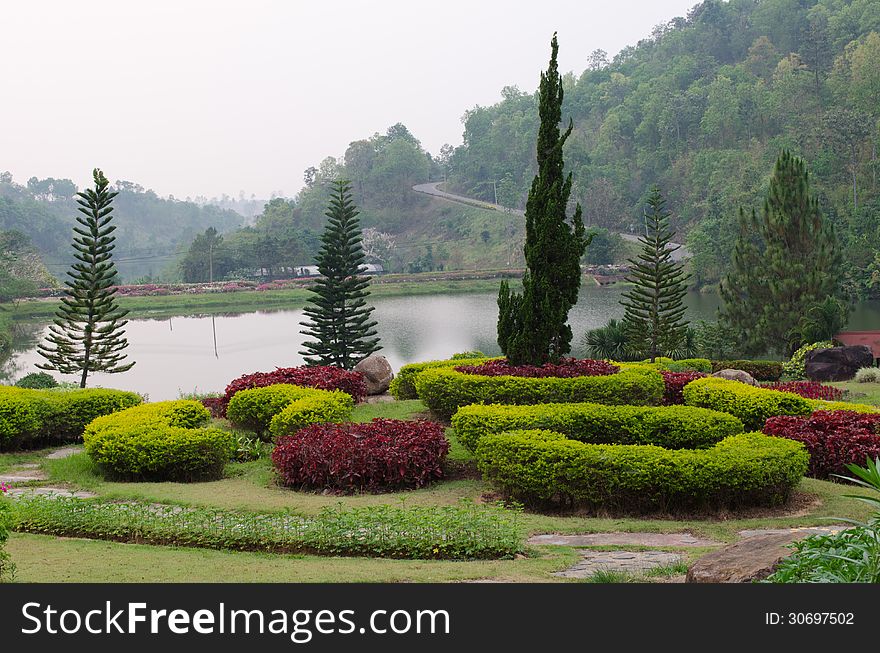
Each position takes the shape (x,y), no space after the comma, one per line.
(192,97)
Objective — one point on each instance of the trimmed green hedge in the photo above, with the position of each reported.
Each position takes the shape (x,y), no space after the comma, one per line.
(165,441)
(283,409)
(821,404)
(34,418)
(760,370)
(683,364)
(752,405)
(444,390)
(543,467)
(403,384)
(672,427)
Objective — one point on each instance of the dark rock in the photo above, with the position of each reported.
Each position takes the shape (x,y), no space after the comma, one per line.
(837,363)
(736,375)
(377,373)
(753,558)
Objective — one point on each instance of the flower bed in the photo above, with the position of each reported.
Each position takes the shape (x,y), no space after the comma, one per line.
(565,368)
(444,390)
(833,438)
(807,389)
(165,441)
(674,383)
(322,377)
(546,468)
(378,456)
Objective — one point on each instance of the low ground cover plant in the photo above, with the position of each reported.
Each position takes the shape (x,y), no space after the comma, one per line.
(34,418)
(459,532)
(808,389)
(850,556)
(164,441)
(444,389)
(544,468)
(283,409)
(565,368)
(834,439)
(672,427)
(377,456)
(321,377)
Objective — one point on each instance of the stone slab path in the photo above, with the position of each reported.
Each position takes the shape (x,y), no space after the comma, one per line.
(620,561)
(624,539)
(50,492)
(802,531)
(23,474)
(64,452)
(31,473)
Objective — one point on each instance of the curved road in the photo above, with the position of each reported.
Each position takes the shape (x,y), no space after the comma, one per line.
(431,189)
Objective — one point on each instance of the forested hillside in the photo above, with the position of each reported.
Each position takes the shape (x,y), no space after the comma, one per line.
(702,107)
(149,229)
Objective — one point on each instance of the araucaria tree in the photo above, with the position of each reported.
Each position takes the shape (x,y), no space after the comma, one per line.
(87,334)
(655,303)
(339,317)
(532,326)
(786,261)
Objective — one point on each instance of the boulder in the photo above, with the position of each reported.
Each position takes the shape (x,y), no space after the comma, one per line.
(837,363)
(736,375)
(377,373)
(753,558)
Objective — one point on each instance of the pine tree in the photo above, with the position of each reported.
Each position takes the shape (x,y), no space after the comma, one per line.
(339,318)
(655,304)
(785,262)
(87,333)
(532,325)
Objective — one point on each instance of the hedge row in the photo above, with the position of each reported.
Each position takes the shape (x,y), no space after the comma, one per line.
(36,418)
(444,390)
(672,427)
(543,467)
(283,409)
(760,370)
(403,384)
(683,364)
(751,404)
(163,441)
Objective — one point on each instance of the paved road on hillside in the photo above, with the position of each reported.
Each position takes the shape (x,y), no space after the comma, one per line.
(432,190)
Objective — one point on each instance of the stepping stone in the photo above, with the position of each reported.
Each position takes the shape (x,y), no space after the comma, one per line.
(22,476)
(51,492)
(624,539)
(802,531)
(64,452)
(624,561)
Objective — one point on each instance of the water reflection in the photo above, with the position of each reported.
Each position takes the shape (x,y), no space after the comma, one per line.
(205,352)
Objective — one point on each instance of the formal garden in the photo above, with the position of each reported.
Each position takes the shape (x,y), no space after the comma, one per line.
(643,462)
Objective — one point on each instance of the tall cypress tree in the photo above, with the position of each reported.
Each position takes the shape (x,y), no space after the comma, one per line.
(339,318)
(655,304)
(532,325)
(87,333)
(785,262)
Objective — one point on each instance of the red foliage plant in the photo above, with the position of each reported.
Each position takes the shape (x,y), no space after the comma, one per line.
(807,389)
(566,367)
(384,454)
(675,383)
(323,377)
(833,438)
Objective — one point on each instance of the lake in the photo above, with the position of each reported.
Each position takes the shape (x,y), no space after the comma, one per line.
(204,353)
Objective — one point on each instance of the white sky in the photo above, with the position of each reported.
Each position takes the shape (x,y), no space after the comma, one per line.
(205,97)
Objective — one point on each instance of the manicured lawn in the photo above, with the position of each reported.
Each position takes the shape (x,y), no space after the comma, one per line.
(860,393)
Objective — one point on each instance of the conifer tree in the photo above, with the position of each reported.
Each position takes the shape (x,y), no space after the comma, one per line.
(87,334)
(786,261)
(532,326)
(655,303)
(339,317)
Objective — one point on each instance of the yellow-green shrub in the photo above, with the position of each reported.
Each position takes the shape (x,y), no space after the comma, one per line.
(751,404)
(444,390)
(673,427)
(277,409)
(403,383)
(544,467)
(31,418)
(821,404)
(165,441)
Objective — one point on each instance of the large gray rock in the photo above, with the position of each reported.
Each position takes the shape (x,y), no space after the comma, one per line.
(837,363)
(736,375)
(377,373)
(753,558)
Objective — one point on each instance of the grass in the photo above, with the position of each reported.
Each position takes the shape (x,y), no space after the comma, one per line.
(860,393)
